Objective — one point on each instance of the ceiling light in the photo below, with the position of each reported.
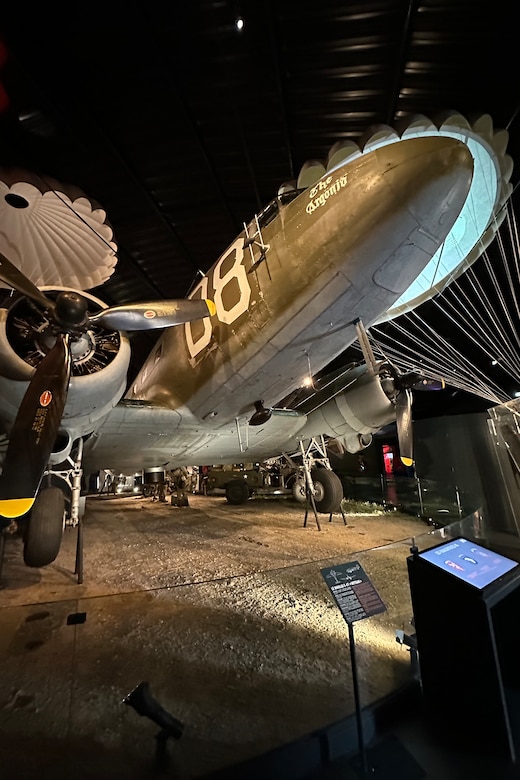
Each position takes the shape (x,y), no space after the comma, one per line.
(239,23)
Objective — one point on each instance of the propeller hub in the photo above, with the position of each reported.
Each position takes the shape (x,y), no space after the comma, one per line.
(389,387)
(71,310)
(82,347)
(411,379)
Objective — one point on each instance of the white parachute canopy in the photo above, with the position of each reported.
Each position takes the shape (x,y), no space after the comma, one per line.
(53,233)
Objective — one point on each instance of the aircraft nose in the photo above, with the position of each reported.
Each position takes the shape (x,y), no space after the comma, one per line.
(428,179)
(428,170)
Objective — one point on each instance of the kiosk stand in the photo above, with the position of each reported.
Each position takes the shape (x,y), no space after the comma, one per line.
(466,604)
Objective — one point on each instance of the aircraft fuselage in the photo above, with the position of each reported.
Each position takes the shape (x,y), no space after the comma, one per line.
(344,249)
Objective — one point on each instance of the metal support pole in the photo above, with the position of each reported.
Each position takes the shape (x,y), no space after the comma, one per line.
(366,347)
(311,502)
(421,505)
(357,700)
(78,569)
(343,515)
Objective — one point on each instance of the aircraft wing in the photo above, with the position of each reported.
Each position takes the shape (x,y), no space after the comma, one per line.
(138,435)
(349,404)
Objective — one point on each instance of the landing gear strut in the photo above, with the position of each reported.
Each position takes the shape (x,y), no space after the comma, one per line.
(316,482)
(51,512)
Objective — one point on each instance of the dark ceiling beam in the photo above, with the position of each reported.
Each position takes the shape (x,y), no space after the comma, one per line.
(160,34)
(275,48)
(29,155)
(411,12)
(31,148)
(137,180)
(247,155)
(203,147)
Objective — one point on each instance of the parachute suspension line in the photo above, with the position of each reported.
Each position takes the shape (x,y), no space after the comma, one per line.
(462,378)
(503,255)
(513,234)
(501,332)
(443,356)
(475,378)
(460,315)
(491,331)
(437,356)
(504,336)
(500,293)
(419,350)
(478,331)
(479,314)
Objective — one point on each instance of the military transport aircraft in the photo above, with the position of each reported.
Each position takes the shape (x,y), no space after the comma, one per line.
(300,283)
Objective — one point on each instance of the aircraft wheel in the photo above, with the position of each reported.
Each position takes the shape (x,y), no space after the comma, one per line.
(299,490)
(328,490)
(237,491)
(44,528)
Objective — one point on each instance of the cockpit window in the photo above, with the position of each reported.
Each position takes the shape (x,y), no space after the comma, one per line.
(268,213)
(289,195)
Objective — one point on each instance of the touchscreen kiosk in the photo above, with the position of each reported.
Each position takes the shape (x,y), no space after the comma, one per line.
(469,562)
(466,602)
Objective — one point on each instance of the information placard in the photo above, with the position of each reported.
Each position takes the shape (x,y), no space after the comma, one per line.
(353,592)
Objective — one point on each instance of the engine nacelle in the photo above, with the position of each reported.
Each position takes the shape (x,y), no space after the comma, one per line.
(353,415)
(100,361)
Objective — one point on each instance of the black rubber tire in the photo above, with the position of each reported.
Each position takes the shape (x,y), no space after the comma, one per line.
(44,528)
(329,490)
(237,491)
(299,490)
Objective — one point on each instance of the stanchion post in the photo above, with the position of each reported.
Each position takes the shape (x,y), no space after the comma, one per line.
(78,570)
(357,701)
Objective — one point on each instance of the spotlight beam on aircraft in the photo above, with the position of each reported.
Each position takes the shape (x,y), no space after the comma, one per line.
(286,294)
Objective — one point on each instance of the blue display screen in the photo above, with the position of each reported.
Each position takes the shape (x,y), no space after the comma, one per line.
(469,561)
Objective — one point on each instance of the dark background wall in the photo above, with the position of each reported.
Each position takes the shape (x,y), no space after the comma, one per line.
(461,467)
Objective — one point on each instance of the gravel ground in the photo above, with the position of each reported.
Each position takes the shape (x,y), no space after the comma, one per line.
(222,609)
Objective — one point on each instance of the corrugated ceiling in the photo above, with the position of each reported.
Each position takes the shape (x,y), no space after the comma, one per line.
(182,128)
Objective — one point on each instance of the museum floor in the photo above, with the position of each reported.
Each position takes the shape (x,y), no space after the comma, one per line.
(225,612)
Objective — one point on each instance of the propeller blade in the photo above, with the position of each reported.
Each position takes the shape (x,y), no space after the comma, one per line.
(14,278)
(34,431)
(416,380)
(403,410)
(148,316)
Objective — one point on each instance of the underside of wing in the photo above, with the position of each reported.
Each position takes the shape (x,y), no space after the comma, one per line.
(138,435)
